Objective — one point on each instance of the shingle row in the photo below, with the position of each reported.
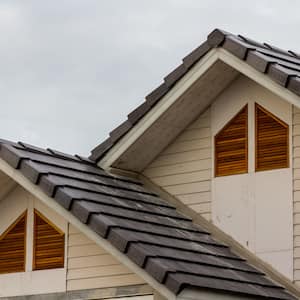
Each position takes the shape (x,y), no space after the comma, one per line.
(173,250)
(281,66)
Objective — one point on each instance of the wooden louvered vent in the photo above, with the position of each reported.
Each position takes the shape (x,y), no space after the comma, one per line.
(49,244)
(271,142)
(231,146)
(12,247)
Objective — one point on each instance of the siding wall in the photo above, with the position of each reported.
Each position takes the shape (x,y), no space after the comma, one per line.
(184,168)
(89,266)
(296,172)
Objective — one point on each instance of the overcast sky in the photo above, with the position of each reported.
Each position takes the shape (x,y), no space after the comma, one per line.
(71,70)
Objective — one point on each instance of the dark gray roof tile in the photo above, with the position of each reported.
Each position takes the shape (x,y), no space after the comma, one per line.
(157,94)
(196,54)
(63,155)
(237,47)
(140,252)
(139,112)
(175,75)
(178,281)
(118,132)
(294,85)
(258,61)
(100,150)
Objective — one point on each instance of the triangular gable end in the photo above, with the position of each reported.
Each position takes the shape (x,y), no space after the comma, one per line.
(45,254)
(189,89)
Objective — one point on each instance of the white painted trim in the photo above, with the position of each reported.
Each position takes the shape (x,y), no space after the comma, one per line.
(258,77)
(190,78)
(51,203)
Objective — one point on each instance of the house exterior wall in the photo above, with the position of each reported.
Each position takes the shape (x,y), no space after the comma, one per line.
(87,265)
(184,169)
(254,208)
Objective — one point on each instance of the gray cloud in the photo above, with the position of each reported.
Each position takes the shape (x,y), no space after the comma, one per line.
(71,70)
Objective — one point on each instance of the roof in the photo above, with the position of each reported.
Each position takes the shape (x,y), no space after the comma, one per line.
(283,67)
(136,221)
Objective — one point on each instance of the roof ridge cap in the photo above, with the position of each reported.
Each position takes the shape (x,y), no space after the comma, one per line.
(217,37)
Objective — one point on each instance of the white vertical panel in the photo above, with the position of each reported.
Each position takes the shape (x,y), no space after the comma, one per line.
(231,207)
(255,208)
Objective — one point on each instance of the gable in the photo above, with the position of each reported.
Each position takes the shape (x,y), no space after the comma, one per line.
(26,281)
(218,60)
(45,268)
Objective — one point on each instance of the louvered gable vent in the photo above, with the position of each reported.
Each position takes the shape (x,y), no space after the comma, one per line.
(272,141)
(12,247)
(49,244)
(231,146)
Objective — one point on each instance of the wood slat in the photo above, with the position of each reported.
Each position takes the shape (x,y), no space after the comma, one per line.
(231,146)
(13,247)
(271,141)
(48,244)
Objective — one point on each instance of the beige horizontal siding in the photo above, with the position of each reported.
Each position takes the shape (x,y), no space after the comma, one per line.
(103,282)
(296,184)
(177,158)
(183,169)
(89,266)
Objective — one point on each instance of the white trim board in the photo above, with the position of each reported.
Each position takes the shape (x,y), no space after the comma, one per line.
(192,294)
(51,203)
(181,87)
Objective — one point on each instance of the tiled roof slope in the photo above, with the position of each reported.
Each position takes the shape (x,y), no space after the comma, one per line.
(281,66)
(166,244)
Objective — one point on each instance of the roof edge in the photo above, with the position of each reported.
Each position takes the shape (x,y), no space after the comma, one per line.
(241,47)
